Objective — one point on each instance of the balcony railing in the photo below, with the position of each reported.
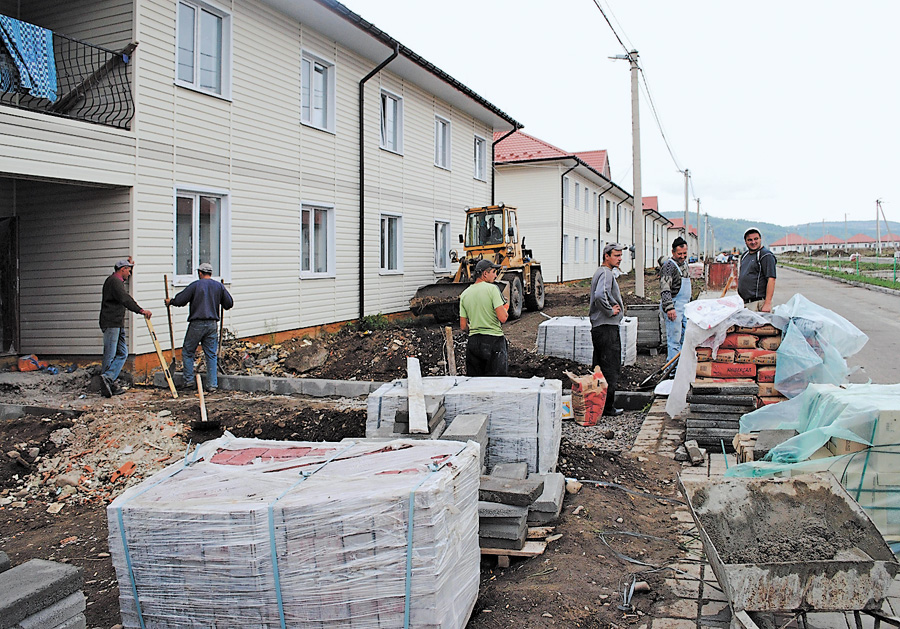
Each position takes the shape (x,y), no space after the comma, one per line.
(91,83)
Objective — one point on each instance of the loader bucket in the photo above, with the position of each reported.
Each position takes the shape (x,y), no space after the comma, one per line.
(442,300)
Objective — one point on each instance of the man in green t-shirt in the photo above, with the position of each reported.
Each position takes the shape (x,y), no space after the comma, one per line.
(481,311)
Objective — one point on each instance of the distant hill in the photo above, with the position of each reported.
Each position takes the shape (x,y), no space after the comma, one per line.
(730,231)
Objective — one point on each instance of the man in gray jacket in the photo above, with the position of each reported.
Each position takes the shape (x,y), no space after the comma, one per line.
(674,294)
(607,310)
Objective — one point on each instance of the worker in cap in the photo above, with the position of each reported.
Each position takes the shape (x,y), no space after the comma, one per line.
(482,310)
(756,273)
(606,312)
(205,296)
(115,299)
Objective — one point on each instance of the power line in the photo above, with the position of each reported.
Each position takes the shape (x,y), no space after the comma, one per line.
(611,27)
(658,121)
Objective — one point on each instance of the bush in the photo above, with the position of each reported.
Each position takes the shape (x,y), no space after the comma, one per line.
(371,323)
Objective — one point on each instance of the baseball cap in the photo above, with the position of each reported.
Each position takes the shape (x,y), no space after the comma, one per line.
(751,230)
(484,265)
(206,267)
(123,263)
(613,246)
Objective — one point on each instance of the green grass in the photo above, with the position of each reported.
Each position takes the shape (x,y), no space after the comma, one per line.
(863,279)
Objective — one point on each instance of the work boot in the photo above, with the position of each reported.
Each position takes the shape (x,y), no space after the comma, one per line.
(188,386)
(117,389)
(105,387)
(614,412)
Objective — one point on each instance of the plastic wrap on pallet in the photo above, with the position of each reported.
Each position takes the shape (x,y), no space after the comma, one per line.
(570,337)
(363,534)
(524,415)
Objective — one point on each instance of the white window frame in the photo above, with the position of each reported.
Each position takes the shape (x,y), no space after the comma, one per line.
(577,196)
(587,199)
(382,269)
(480,158)
(330,249)
(587,250)
(595,205)
(565,245)
(226,59)
(594,253)
(330,71)
(442,142)
(195,192)
(566,191)
(576,256)
(442,266)
(398,123)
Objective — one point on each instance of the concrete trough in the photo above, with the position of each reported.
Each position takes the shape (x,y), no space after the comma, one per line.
(791,544)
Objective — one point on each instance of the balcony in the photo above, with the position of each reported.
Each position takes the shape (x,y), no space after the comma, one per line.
(78,80)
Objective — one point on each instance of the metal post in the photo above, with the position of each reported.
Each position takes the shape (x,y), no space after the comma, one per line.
(636,168)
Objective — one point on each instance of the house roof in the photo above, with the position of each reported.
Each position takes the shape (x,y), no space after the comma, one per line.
(889,237)
(828,239)
(651,203)
(598,159)
(860,238)
(336,21)
(678,223)
(790,239)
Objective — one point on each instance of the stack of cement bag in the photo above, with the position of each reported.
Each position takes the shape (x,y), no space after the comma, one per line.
(570,337)
(251,533)
(524,415)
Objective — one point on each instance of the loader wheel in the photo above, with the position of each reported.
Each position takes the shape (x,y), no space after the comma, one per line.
(516,297)
(535,299)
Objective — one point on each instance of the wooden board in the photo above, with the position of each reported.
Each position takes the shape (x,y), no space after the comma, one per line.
(531,549)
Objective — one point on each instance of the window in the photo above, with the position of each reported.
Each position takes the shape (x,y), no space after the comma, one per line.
(391,122)
(204,47)
(594,252)
(577,196)
(565,251)
(587,250)
(441,246)
(442,142)
(575,259)
(316,241)
(391,243)
(316,92)
(608,210)
(587,199)
(200,233)
(480,158)
(566,191)
(594,205)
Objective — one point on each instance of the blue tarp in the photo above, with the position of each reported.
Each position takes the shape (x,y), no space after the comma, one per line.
(31,48)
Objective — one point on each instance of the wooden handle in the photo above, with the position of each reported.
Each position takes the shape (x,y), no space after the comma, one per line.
(203,417)
(169,313)
(162,360)
(451,353)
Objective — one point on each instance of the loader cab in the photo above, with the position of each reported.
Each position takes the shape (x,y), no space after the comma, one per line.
(485,228)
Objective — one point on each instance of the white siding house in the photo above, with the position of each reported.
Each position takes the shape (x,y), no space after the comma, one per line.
(656,233)
(237,141)
(568,206)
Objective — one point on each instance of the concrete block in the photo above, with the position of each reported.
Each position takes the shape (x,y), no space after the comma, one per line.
(551,500)
(511,470)
(248,384)
(497,530)
(499,542)
(768,439)
(318,388)
(77,622)
(510,491)
(4,562)
(57,614)
(32,586)
(724,409)
(468,427)
(728,400)
(500,510)
(354,388)
(539,518)
(696,455)
(724,388)
(286,386)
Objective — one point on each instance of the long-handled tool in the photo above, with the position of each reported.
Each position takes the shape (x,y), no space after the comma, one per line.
(219,350)
(664,371)
(205,422)
(162,360)
(171,329)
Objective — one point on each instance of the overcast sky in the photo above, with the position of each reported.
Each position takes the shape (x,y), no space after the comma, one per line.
(785,111)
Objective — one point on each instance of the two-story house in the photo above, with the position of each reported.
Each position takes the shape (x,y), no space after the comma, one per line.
(317,163)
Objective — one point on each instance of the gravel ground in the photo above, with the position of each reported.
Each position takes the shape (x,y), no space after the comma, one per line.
(613,434)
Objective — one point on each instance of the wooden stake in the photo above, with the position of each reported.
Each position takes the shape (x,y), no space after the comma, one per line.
(451,353)
(203,417)
(162,360)
(171,329)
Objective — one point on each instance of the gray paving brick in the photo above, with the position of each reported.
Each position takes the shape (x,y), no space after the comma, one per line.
(32,586)
(318,388)
(4,562)
(500,510)
(495,530)
(551,500)
(511,470)
(60,613)
(286,386)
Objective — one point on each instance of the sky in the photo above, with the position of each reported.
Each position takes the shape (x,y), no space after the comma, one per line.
(784,111)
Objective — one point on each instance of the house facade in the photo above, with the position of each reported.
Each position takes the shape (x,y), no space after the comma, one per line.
(569,208)
(791,242)
(861,241)
(319,165)
(676,229)
(656,233)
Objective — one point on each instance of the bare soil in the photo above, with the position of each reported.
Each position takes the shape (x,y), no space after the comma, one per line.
(576,583)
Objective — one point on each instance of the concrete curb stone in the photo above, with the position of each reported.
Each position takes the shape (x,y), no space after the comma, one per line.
(33,586)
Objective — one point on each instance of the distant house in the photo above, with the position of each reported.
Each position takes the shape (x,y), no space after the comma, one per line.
(676,229)
(318,164)
(861,241)
(890,240)
(791,242)
(656,233)
(827,243)
(569,208)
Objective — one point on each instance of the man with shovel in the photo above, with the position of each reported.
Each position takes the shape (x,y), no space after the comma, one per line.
(205,296)
(112,322)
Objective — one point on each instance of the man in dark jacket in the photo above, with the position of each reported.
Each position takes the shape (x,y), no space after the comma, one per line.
(756,275)
(112,322)
(674,294)
(205,295)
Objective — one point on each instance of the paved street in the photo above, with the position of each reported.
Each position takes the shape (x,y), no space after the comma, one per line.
(875,313)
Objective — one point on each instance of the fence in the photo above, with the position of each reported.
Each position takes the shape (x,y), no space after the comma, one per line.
(875,269)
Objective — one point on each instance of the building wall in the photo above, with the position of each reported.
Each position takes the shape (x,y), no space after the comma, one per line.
(255,149)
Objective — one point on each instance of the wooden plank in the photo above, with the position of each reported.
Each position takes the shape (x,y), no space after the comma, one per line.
(531,549)
(539,532)
(418,418)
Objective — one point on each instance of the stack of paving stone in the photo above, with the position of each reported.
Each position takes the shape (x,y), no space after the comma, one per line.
(570,338)
(40,594)
(252,533)
(716,409)
(524,415)
(434,411)
(651,332)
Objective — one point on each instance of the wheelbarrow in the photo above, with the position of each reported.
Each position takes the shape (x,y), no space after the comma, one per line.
(791,546)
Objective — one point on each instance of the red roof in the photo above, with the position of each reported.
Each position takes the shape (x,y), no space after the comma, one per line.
(828,240)
(889,237)
(651,203)
(860,238)
(678,223)
(791,239)
(520,147)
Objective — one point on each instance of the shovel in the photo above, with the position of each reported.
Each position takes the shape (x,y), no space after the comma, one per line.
(663,371)
(171,329)
(219,349)
(205,423)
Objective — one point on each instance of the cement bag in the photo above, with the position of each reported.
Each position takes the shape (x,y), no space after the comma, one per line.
(588,397)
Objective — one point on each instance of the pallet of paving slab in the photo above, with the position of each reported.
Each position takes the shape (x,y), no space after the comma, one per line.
(712,437)
(724,409)
(712,423)
(724,388)
(724,400)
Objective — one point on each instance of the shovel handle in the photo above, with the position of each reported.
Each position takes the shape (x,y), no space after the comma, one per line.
(169,313)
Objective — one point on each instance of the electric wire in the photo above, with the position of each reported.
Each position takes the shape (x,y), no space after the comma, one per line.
(659,125)
(611,27)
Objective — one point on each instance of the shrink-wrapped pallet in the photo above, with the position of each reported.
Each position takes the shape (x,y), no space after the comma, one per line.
(628,330)
(570,337)
(252,533)
(524,415)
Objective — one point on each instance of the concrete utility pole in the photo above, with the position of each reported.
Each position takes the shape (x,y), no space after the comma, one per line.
(698,228)
(687,234)
(877,227)
(636,169)
(705,232)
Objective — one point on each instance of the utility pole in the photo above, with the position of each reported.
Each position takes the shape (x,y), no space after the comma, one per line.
(877,227)
(705,233)
(687,234)
(698,229)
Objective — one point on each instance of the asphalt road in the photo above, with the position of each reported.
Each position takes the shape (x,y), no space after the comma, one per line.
(875,313)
